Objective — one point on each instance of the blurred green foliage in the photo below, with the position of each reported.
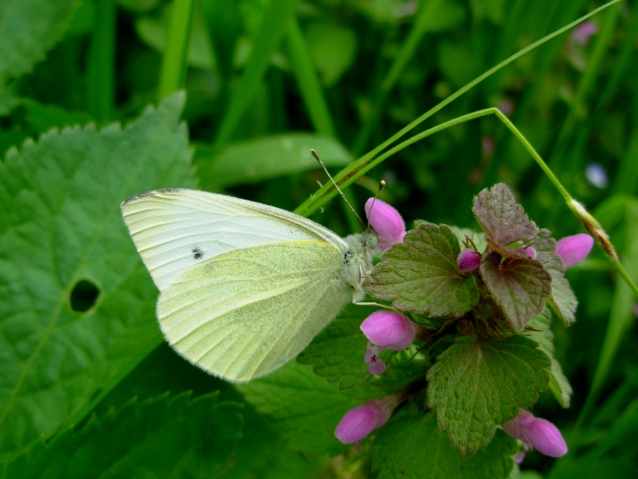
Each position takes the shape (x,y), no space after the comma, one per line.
(267,81)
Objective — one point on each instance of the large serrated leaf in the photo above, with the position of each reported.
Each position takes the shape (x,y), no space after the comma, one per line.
(60,228)
(337,354)
(28,29)
(503,219)
(165,437)
(476,385)
(518,285)
(541,332)
(304,407)
(413,446)
(421,274)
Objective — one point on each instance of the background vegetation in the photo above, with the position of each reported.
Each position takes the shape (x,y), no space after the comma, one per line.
(87,386)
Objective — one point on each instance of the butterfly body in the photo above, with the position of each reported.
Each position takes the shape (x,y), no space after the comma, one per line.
(244,287)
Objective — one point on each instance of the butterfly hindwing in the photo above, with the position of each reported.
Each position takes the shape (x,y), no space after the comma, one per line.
(243,314)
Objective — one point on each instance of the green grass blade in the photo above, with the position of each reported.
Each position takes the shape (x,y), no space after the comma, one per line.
(274,25)
(308,82)
(101,63)
(577,110)
(354,171)
(398,66)
(174,63)
(621,316)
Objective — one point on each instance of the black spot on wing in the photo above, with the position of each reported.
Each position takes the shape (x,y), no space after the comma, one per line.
(197,253)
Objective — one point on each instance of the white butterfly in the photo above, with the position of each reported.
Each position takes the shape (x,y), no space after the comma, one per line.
(244,287)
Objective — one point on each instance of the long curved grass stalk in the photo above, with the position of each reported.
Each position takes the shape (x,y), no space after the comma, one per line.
(351,173)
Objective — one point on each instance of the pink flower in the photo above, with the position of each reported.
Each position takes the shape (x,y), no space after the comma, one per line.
(376,365)
(389,330)
(487,144)
(386,221)
(506,106)
(538,433)
(362,420)
(468,260)
(573,249)
(583,32)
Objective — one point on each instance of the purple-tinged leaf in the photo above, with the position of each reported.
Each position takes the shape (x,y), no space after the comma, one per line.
(503,220)
(518,285)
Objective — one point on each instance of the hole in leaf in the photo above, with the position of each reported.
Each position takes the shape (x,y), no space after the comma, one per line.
(83,296)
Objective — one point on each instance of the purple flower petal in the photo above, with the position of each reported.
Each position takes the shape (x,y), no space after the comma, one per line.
(538,433)
(543,436)
(389,330)
(386,221)
(359,422)
(573,249)
(376,365)
(468,260)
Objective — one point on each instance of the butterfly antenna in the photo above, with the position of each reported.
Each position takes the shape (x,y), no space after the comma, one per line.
(314,153)
(381,186)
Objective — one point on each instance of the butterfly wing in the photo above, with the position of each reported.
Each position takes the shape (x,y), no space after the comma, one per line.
(245,313)
(176,229)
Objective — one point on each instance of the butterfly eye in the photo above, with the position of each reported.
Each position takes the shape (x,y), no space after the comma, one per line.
(372,241)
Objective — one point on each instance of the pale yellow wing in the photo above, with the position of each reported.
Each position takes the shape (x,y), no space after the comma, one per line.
(243,314)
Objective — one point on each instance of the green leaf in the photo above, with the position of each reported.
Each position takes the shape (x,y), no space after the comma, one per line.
(332,48)
(562,298)
(28,29)
(421,274)
(164,437)
(304,407)
(412,446)
(518,285)
(541,333)
(476,385)
(61,234)
(503,220)
(337,354)
(270,157)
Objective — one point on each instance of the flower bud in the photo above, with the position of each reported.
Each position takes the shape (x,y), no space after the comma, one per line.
(468,260)
(538,433)
(362,420)
(386,221)
(574,249)
(389,330)
(546,438)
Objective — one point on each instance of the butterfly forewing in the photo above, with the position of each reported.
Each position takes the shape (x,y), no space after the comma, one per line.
(176,229)
(243,314)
